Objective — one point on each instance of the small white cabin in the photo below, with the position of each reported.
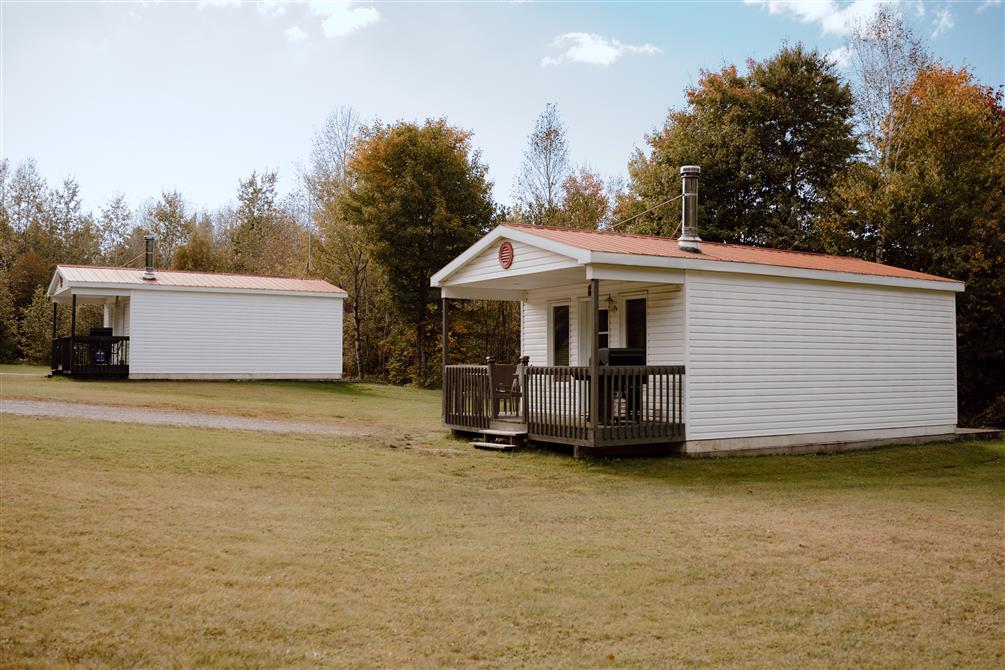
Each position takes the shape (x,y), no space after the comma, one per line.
(168,324)
(634,343)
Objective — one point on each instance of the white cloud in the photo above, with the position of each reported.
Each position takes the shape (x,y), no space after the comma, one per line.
(593,49)
(840,57)
(988,4)
(833,18)
(294,34)
(341,18)
(943,22)
(271,8)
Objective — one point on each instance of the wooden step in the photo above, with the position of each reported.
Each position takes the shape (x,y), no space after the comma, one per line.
(493,446)
(503,433)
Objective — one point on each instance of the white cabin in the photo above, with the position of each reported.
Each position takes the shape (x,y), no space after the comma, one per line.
(727,349)
(198,325)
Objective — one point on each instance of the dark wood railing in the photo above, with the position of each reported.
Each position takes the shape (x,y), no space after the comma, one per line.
(91,355)
(641,404)
(466,396)
(558,403)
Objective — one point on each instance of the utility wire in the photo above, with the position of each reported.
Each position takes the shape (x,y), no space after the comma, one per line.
(656,206)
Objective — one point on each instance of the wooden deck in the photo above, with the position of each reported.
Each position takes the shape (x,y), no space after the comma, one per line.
(639,408)
(105,356)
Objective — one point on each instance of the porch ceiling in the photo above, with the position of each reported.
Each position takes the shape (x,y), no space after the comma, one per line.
(87,295)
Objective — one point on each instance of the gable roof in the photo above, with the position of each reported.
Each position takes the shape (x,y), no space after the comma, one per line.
(598,249)
(650,245)
(97,276)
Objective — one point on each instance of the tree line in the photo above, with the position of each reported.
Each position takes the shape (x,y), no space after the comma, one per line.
(901,162)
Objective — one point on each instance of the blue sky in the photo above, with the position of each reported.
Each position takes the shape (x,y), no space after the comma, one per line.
(139,97)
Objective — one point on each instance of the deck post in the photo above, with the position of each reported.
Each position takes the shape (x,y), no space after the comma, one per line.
(73,333)
(55,320)
(445,326)
(594,364)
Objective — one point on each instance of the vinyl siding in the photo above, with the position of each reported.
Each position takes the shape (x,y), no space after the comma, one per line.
(219,334)
(664,320)
(526,259)
(773,356)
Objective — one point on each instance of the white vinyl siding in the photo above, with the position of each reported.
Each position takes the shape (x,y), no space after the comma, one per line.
(664,320)
(527,259)
(773,356)
(238,334)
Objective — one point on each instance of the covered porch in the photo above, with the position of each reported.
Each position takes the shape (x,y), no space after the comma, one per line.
(101,352)
(601,366)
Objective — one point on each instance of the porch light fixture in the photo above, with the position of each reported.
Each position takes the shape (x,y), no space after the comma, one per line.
(612,306)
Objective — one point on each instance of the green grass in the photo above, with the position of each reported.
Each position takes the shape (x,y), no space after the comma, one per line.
(161,547)
(402,410)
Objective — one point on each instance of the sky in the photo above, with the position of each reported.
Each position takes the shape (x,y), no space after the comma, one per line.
(140,97)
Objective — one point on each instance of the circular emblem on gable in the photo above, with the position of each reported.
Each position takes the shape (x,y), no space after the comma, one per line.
(505,255)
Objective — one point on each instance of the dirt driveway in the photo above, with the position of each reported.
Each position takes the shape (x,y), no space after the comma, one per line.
(162,417)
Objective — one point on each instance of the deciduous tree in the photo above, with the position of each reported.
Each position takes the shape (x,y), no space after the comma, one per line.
(770,142)
(422,195)
(545,168)
(942,211)
(585,202)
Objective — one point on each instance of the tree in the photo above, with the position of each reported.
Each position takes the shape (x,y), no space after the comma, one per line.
(266,238)
(545,167)
(8,324)
(886,58)
(330,152)
(770,143)
(114,227)
(35,330)
(585,202)
(197,253)
(942,212)
(421,194)
(344,250)
(29,272)
(169,222)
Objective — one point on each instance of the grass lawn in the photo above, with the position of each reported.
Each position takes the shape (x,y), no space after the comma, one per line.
(396,409)
(157,547)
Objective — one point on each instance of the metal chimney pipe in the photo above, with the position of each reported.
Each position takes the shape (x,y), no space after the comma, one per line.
(149,274)
(689,240)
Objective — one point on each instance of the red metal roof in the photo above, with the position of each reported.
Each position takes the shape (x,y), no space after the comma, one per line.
(649,245)
(92,274)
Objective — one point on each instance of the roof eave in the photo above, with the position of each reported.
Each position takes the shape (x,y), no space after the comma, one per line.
(127,287)
(738,267)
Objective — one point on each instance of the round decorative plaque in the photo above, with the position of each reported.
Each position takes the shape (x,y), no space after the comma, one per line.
(505,255)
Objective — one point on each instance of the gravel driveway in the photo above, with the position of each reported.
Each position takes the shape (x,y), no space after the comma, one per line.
(165,417)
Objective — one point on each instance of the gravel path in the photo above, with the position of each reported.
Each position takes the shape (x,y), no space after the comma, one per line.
(164,417)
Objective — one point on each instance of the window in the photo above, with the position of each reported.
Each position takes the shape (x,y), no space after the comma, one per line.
(560,335)
(604,329)
(635,323)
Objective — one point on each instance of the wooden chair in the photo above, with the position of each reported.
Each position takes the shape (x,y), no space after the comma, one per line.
(504,386)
